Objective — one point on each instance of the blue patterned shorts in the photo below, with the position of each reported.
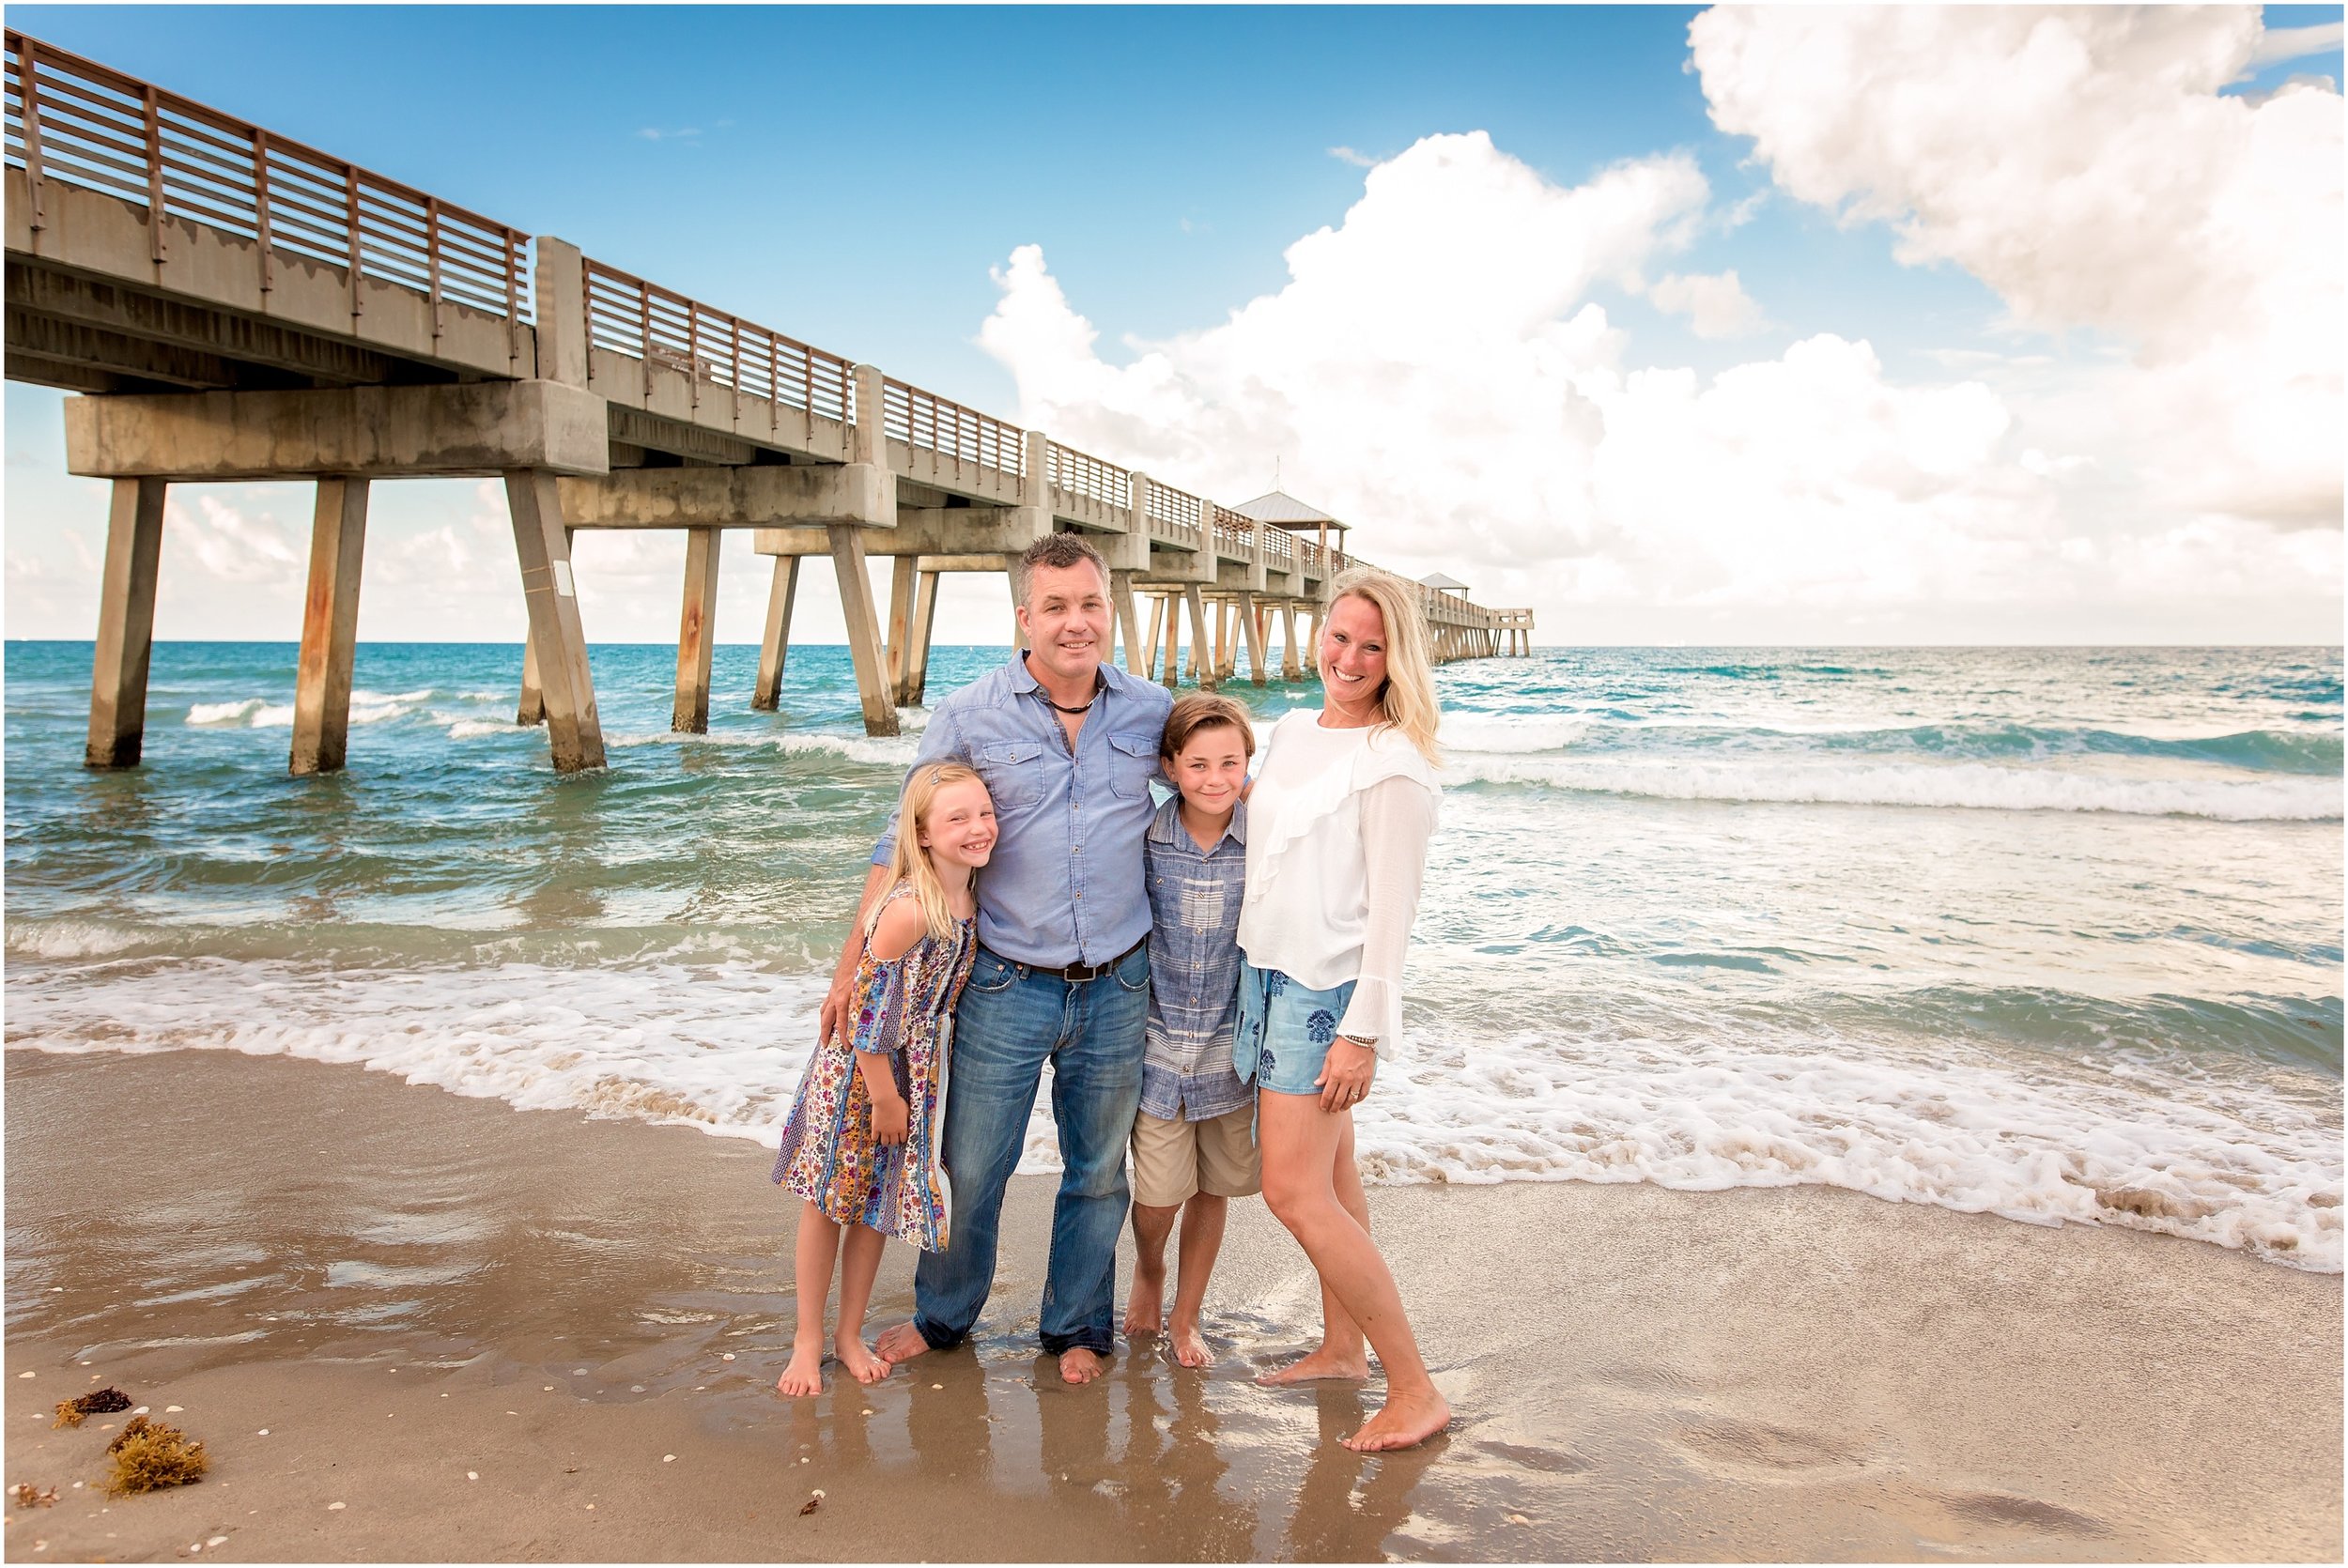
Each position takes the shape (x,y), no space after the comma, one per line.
(1285,1030)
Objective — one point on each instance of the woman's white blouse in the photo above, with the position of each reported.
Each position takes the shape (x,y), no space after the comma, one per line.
(1338,825)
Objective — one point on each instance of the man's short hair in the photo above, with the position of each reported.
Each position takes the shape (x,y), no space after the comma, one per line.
(1060,550)
(1204,710)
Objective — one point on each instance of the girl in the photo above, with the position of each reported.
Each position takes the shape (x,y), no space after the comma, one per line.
(861,1147)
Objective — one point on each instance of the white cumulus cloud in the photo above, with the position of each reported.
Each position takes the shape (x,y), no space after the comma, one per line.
(1716,305)
(2083,163)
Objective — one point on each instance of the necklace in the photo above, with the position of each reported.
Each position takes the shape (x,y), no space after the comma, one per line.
(1086,707)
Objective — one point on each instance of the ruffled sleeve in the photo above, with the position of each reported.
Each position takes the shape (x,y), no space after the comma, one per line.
(887,989)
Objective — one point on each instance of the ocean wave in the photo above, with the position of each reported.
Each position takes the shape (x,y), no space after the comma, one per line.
(888,751)
(2217,1153)
(473,729)
(224,714)
(1969,785)
(2285,751)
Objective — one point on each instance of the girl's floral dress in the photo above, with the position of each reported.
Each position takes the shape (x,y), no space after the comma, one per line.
(903,1008)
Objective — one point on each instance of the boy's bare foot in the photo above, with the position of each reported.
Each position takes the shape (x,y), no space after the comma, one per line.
(805,1375)
(1405,1422)
(1190,1347)
(857,1359)
(1145,1306)
(1318,1365)
(1079,1365)
(901,1341)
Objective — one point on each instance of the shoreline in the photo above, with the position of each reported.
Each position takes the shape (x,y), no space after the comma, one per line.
(404,1285)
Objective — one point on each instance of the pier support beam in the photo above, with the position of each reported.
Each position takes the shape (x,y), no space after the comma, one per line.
(125,625)
(1201,652)
(330,627)
(914,682)
(1128,623)
(774,643)
(863,622)
(1289,669)
(1149,642)
(1251,619)
(1173,640)
(695,632)
(532,709)
(905,584)
(574,730)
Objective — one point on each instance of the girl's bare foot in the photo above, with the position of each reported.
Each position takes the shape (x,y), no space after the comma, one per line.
(805,1375)
(1190,1348)
(1405,1422)
(900,1343)
(857,1359)
(1145,1306)
(1320,1365)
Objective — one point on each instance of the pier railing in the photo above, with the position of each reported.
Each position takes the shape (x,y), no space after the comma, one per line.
(665,330)
(1080,474)
(76,121)
(924,420)
(1174,515)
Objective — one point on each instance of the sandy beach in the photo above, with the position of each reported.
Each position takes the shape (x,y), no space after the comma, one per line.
(409,1325)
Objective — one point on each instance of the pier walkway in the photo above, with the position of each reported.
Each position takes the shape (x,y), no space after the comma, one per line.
(238,306)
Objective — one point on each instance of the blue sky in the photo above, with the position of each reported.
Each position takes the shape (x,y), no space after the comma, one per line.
(859,177)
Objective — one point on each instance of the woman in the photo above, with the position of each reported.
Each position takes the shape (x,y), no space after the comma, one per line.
(1342,807)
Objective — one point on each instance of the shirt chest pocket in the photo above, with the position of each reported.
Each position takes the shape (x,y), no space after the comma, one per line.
(1013,774)
(1133,763)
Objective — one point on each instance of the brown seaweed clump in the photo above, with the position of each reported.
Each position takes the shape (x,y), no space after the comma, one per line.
(98,1402)
(30,1496)
(149,1456)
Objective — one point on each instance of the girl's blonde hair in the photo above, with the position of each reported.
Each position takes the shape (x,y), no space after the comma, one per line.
(1407,698)
(910,863)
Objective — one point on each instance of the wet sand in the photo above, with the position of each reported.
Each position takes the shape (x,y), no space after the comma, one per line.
(409,1290)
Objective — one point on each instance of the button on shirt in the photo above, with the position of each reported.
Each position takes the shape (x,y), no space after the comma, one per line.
(1195,899)
(1065,882)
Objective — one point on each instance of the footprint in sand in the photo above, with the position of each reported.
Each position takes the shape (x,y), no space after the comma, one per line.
(1771,1452)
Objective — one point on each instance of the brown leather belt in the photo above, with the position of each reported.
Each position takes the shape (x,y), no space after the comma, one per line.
(1075,974)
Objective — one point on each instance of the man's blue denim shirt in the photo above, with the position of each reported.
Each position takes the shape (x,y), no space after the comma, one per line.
(1066,883)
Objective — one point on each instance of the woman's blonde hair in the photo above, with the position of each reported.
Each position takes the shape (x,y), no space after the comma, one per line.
(1407,698)
(910,863)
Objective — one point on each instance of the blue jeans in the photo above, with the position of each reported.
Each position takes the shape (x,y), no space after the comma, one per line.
(1010,1022)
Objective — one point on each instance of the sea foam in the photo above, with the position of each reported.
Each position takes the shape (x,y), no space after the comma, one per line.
(720,1045)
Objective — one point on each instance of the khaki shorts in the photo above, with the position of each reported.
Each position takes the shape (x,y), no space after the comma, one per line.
(1173,1160)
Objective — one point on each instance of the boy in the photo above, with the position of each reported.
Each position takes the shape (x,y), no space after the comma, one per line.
(1194,1141)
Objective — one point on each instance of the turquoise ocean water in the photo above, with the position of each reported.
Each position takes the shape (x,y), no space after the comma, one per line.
(2051,933)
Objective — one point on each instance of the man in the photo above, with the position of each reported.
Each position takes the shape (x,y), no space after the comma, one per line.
(1068,745)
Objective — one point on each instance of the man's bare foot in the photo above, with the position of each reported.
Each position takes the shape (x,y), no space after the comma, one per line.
(858,1360)
(1190,1347)
(1405,1422)
(1143,1307)
(1079,1365)
(805,1375)
(1320,1365)
(900,1343)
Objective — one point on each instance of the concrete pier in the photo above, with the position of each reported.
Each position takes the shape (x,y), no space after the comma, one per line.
(207,349)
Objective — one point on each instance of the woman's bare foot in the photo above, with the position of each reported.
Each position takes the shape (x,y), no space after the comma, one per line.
(900,1343)
(1145,1307)
(1190,1347)
(857,1359)
(1405,1422)
(805,1375)
(1320,1365)
(1079,1365)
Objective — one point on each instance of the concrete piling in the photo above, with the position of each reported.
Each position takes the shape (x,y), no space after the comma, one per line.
(774,643)
(574,729)
(125,625)
(330,627)
(696,632)
(863,625)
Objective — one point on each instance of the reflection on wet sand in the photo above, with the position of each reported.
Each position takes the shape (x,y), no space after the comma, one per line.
(247,1226)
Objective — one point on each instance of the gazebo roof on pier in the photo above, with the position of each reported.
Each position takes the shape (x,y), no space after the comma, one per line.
(1441,583)
(1282,510)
